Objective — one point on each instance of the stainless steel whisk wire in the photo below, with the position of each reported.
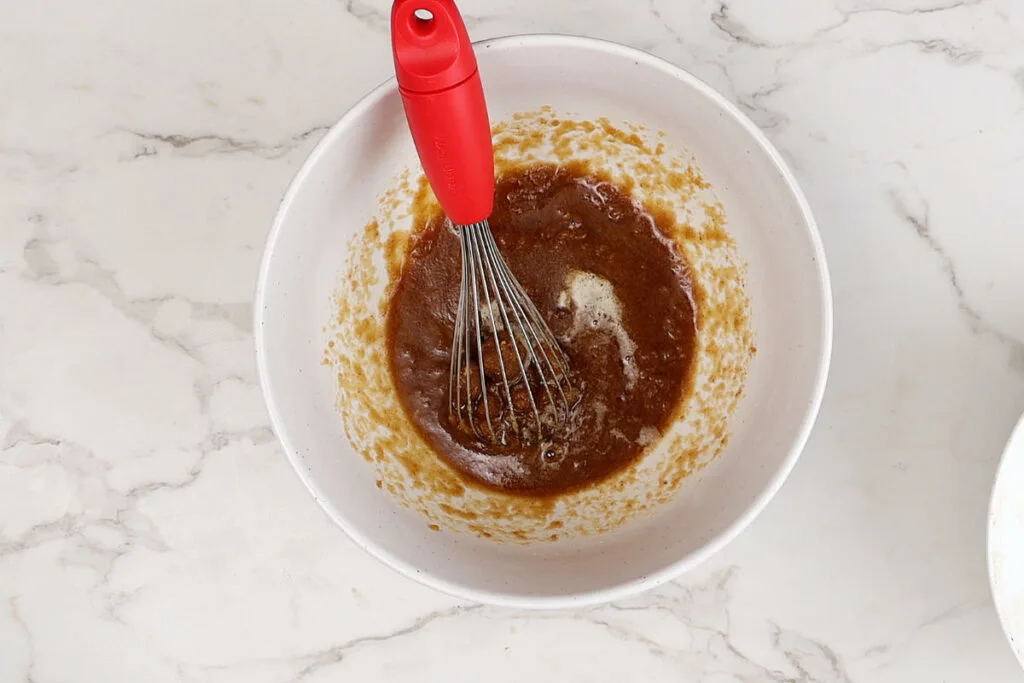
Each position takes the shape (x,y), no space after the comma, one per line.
(487,283)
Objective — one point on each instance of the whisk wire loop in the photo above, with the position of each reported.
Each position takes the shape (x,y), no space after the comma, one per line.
(497,324)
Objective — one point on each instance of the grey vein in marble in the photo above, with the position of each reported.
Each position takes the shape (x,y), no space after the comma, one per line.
(920,221)
(210,143)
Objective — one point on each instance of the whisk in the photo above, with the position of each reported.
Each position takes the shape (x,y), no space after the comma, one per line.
(503,352)
(509,380)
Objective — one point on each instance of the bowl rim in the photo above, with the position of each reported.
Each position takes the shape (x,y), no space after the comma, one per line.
(686,562)
(998,483)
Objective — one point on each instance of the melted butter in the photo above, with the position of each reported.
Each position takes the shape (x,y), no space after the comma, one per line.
(595,307)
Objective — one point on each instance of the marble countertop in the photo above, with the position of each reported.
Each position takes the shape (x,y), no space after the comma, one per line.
(150,528)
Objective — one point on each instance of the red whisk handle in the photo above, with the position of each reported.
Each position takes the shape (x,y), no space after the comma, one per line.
(444,104)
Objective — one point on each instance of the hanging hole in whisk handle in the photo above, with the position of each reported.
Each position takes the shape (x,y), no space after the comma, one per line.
(421,22)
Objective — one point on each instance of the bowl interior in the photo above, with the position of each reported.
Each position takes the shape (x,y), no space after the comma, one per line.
(336,193)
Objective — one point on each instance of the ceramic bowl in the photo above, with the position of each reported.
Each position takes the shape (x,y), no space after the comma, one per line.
(336,192)
(1006,541)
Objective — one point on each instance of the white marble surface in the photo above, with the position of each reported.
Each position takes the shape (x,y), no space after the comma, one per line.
(151,530)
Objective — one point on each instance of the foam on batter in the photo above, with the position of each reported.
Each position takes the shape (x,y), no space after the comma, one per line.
(596,307)
(648,436)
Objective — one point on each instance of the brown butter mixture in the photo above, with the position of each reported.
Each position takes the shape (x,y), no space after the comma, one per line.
(614,292)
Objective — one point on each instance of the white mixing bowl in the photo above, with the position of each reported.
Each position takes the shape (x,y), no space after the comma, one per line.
(1006,541)
(336,192)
